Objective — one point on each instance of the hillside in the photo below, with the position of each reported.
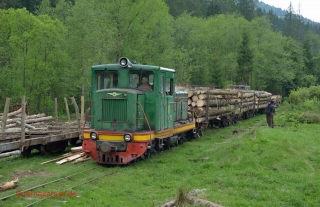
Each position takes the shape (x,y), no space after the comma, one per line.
(279,12)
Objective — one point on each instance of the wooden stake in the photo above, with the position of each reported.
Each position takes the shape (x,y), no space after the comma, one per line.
(67,108)
(23,116)
(82,111)
(4,116)
(56,109)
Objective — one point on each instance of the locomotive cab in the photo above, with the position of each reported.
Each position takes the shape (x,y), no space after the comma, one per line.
(133,112)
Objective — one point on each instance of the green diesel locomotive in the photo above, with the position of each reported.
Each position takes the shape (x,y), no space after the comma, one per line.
(135,111)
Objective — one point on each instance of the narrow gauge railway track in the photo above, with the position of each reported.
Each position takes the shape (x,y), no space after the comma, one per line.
(47,183)
(27,195)
(73,187)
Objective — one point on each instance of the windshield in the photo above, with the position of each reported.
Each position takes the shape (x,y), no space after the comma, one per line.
(106,80)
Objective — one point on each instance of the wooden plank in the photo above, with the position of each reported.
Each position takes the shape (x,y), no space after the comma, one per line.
(76,149)
(62,161)
(60,158)
(75,156)
(81,159)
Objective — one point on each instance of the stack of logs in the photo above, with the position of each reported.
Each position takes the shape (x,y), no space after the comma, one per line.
(33,122)
(215,103)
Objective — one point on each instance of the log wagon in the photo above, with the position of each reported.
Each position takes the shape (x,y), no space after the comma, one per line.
(21,132)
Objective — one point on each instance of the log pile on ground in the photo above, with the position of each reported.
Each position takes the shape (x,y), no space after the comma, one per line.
(75,156)
(209,104)
(9,185)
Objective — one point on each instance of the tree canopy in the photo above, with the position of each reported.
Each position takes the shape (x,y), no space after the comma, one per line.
(47,52)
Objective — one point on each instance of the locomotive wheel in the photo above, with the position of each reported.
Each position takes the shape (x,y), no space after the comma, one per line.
(148,153)
(44,150)
(26,152)
(182,139)
(73,141)
(135,160)
(167,144)
(62,145)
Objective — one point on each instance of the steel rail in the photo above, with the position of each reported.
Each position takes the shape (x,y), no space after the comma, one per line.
(6,197)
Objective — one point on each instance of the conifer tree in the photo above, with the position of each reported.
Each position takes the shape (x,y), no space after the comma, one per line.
(245,60)
(246,9)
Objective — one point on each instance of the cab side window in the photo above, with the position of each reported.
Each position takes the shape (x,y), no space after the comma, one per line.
(107,80)
(169,86)
(142,81)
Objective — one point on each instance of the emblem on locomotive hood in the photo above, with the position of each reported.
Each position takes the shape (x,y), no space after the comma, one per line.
(114,94)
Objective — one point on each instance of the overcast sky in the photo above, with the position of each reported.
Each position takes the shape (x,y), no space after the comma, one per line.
(308,8)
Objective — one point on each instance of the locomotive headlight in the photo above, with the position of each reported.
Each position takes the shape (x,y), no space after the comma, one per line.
(125,62)
(93,136)
(127,137)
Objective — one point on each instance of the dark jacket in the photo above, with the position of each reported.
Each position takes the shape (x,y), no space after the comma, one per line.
(270,109)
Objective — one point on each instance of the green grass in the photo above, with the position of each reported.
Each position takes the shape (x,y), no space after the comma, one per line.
(258,166)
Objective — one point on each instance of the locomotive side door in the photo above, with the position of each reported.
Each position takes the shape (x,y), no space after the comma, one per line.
(163,102)
(170,102)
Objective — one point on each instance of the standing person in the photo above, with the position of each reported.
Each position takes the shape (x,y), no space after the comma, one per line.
(270,111)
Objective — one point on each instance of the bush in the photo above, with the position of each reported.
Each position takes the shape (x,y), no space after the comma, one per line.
(312,117)
(308,117)
(311,104)
(298,96)
(314,92)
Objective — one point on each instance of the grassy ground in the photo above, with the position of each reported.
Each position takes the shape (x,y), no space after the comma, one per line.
(247,164)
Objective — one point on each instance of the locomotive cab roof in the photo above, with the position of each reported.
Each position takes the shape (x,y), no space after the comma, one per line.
(125,63)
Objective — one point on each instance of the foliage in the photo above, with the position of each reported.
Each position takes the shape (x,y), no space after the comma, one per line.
(245,60)
(34,61)
(301,95)
(304,103)
(216,43)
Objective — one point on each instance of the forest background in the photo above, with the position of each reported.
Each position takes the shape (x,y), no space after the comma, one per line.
(47,47)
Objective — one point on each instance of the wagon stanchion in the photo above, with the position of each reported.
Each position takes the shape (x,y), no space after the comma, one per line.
(4,116)
(67,108)
(56,110)
(23,118)
(77,111)
(82,111)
